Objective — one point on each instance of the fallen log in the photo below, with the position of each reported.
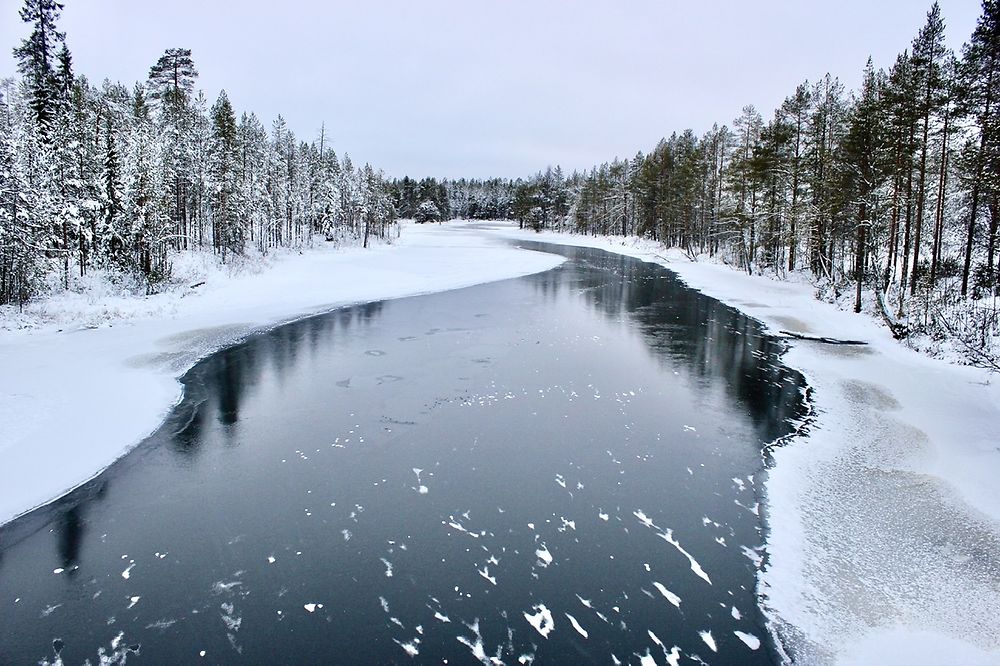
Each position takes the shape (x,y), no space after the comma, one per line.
(898,329)
(821,338)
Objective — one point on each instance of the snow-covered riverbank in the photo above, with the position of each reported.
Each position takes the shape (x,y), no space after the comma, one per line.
(884,542)
(74,398)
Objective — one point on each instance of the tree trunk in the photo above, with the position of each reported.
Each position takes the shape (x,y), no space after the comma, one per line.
(939,211)
(992,237)
(976,184)
(859,255)
(906,227)
(919,222)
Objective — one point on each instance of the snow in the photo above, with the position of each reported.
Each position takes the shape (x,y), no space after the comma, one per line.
(668,536)
(576,625)
(883,517)
(541,619)
(667,594)
(94,375)
(901,646)
(748,639)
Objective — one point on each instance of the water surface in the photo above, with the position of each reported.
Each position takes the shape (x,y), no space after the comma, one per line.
(561,468)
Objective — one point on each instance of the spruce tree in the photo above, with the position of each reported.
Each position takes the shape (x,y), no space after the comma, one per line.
(112,207)
(227,235)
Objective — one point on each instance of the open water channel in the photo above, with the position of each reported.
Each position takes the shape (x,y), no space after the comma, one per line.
(560,468)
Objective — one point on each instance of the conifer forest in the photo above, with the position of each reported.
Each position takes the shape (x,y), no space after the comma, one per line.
(114,177)
(890,193)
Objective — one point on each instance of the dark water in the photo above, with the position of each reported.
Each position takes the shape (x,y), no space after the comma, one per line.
(436,476)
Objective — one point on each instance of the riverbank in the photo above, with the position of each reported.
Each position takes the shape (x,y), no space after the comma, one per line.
(77,395)
(884,520)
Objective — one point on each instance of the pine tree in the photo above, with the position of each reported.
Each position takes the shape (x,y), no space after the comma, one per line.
(38,57)
(900,102)
(979,98)
(171,79)
(826,129)
(795,111)
(864,159)
(744,183)
(170,84)
(928,55)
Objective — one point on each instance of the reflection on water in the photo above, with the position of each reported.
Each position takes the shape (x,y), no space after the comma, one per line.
(71,531)
(561,467)
(712,340)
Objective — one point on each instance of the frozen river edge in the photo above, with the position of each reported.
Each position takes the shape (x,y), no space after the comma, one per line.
(883,519)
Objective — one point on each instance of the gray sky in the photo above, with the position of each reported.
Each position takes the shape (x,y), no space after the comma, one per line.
(465,88)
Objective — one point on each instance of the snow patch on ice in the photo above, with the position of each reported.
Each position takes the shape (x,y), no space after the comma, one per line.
(668,536)
(644,519)
(750,640)
(410,648)
(485,573)
(670,596)
(544,556)
(541,620)
(576,625)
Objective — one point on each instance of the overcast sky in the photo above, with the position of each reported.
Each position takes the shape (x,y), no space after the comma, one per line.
(465,88)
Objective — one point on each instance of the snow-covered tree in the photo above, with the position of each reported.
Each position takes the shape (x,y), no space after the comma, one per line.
(427,211)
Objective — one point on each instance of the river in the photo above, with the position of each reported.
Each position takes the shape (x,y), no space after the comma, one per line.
(564,468)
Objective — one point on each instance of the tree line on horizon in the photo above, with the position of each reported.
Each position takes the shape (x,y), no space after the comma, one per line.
(119,179)
(890,193)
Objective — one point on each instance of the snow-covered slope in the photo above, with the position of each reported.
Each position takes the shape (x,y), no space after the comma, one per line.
(884,542)
(74,398)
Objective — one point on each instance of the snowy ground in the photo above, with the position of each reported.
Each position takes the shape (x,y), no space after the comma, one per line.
(884,542)
(93,376)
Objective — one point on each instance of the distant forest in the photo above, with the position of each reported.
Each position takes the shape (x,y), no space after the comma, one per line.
(890,193)
(115,178)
